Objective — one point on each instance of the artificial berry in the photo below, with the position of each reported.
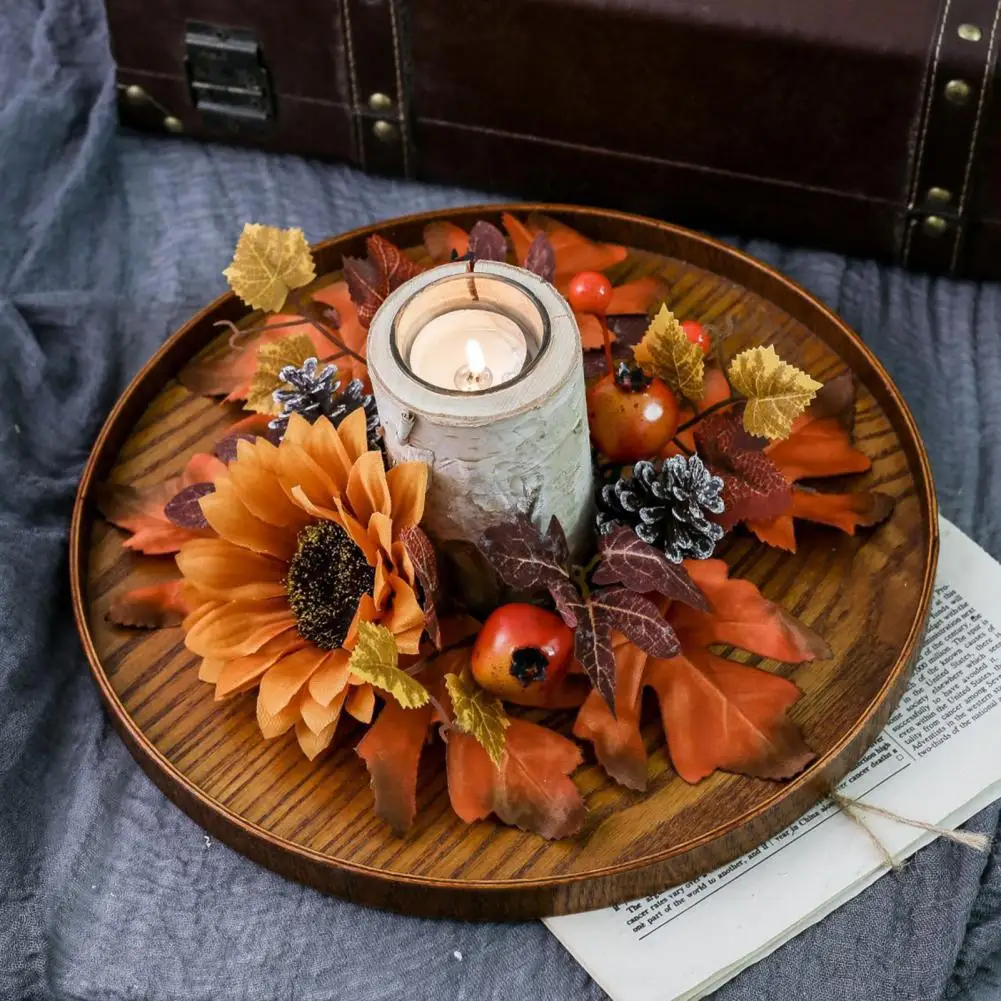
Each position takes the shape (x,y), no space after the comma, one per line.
(522,653)
(632,416)
(590,292)
(697,334)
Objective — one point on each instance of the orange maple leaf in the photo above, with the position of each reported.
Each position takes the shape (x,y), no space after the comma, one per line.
(821,445)
(531,789)
(717,713)
(140,511)
(230,372)
(152,607)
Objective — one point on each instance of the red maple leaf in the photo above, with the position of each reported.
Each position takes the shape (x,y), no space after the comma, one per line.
(717,713)
(371,279)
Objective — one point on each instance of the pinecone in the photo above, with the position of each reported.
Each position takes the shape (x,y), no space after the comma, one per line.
(666,503)
(313,395)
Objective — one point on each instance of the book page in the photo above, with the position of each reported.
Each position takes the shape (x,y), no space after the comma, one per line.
(938,760)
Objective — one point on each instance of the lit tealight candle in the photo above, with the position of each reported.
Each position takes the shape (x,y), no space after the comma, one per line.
(471,349)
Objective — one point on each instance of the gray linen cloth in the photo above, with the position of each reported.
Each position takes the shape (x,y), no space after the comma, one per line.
(109,892)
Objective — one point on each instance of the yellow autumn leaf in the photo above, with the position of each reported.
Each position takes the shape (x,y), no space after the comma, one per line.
(777,392)
(479,714)
(267,264)
(293,350)
(666,352)
(375,659)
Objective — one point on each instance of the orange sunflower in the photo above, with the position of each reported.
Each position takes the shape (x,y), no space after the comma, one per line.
(308,546)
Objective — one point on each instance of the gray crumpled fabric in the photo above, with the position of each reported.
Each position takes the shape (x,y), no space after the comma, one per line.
(109,892)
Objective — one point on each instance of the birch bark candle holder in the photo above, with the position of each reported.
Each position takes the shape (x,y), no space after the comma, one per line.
(480,375)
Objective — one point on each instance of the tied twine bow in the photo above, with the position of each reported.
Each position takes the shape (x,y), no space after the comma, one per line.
(856,810)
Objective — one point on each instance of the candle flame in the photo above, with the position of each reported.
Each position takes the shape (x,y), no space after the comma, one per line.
(474,357)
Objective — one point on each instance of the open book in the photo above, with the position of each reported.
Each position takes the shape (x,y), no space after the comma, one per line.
(938,760)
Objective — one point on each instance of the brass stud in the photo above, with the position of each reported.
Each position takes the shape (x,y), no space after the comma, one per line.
(385,131)
(934,225)
(172,124)
(135,93)
(940,196)
(969,33)
(380,102)
(957,91)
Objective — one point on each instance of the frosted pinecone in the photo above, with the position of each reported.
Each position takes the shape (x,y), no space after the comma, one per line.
(315,394)
(666,503)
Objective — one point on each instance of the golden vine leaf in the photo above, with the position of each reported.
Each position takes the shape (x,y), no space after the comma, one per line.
(666,352)
(777,392)
(479,714)
(267,264)
(375,659)
(293,349)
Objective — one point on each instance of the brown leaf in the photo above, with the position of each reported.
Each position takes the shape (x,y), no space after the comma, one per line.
(637,617)
(531,790)
(486,242)
(541,257)
(627,559)
(184,509)
(593,649)
(523,557)
(425,560)
(753,486)
(371,280)
(153,607)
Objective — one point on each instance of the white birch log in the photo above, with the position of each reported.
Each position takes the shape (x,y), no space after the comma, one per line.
(522,447)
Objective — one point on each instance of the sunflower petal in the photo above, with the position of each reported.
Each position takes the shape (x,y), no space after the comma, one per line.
(317,716)
(354,434)
(230,518)
(326,449)
(221,570)
(330,679)
(274,726)
(368,491)
(408,484)
(286,678)
(242,673)
(296,468)
(209,670)
(260,490)
(239,628)
(312,743)
(360,703)
(380,531)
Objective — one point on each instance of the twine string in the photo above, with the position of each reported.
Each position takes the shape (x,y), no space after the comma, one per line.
(856,811)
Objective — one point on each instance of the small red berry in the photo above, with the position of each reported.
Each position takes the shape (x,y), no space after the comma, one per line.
(697,334)
(590,292)
(522,653)
(632,416)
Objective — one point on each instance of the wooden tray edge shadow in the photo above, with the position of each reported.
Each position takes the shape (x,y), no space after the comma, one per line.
(511,899)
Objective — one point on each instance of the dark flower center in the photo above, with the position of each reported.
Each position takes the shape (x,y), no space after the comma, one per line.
(326,577)
(528,664)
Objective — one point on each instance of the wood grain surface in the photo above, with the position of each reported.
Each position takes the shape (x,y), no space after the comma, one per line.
(868,596)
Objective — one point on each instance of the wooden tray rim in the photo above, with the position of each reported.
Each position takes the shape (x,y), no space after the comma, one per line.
(136,739)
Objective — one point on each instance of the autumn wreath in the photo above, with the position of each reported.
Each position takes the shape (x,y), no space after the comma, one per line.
(305,576)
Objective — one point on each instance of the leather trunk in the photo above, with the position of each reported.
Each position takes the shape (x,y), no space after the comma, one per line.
(865,126)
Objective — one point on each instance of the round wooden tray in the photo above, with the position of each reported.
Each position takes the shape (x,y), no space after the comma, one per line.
(868,596)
